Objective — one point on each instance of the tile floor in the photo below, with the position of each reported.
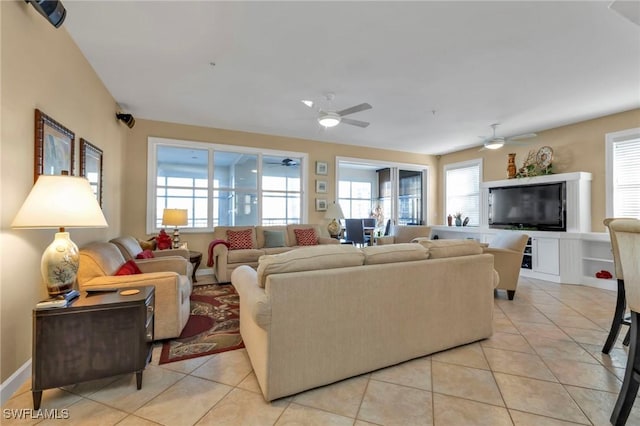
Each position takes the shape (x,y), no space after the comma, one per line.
(543,366)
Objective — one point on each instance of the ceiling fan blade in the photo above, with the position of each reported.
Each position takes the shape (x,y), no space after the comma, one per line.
(354,122)
(521,137)
(353,109)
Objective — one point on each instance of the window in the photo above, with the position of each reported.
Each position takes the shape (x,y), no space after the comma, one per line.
(223,185)
(355,198)
(462,190)
(623,179)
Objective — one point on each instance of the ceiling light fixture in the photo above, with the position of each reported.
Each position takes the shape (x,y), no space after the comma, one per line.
(495,143)
(330,119)
(307,103)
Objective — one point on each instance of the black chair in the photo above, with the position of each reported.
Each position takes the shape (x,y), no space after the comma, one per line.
(627,234)
(387,228)
(369,222)
(355,232)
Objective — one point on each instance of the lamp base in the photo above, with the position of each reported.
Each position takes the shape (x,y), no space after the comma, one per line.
(59,265)
(176,238)
(334,228)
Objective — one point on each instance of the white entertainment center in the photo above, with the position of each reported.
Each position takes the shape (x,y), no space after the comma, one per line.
(571,257)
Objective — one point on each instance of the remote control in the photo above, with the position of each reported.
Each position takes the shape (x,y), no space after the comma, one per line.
(51,303)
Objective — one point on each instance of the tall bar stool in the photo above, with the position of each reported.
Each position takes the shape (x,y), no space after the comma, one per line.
(619,318)
(627,232)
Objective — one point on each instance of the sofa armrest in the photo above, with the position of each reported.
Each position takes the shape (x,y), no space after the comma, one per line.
(220,263)
(327,240)
(252,297)
(168,264)
(172,252)
(507,263)
(386,239)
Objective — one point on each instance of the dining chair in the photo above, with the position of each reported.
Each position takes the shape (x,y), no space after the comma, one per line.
(355,232)
(619,317)
(369,222)
(627,234)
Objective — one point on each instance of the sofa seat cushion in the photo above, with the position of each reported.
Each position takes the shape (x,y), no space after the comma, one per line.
(312,258)
(244,256)
(276,250)
(439,249)
(403,252)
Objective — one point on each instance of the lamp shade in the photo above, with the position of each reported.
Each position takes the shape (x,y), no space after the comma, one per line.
(60,202)
(334,211)
(174,217)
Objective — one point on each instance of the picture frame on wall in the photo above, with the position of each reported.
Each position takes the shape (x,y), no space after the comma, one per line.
(54,147)
(91,166)
(321,204)
(322,168)
(321,186)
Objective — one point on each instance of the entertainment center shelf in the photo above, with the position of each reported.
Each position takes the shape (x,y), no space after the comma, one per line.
(571,257)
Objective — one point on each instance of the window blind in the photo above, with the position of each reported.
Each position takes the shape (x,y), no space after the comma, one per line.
(463,192)
(626,178)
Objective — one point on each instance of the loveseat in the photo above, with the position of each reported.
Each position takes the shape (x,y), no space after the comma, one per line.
(321,314)
(233,246)
(100,261)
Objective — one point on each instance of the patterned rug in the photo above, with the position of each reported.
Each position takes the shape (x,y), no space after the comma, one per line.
(213,326)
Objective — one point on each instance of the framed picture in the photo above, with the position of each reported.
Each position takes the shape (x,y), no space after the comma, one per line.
(54,147)
(321,204)
(91,166)
(321,186)
(322,168)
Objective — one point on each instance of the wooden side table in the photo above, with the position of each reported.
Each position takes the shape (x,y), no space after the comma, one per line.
(97,335)
(195,257)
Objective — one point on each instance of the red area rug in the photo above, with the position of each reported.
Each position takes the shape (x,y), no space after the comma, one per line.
(213,326)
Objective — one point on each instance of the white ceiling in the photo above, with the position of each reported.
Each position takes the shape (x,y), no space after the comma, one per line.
(436,73)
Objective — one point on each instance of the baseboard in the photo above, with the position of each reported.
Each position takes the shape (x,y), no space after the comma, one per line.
(13,383)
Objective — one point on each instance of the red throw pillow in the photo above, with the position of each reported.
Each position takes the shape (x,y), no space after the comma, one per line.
(239,240)
(145,254)
(306,237)
(163,240)
(129,268)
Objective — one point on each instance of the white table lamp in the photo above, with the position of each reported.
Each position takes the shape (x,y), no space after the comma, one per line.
(175,218)
(334,212)
(60,202)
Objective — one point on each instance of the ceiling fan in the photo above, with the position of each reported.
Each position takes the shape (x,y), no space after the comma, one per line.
(497,142)
(333,118)
(286,162)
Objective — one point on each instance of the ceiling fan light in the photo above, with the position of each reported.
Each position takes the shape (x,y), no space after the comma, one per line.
(494,144)
(307,103)
(329,120)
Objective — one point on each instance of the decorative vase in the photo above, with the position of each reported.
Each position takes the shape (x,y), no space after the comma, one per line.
(59,264)
(334,228)
(511,166)
(449,220)
(458,221)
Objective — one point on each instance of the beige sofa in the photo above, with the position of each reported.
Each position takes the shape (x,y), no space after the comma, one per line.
(224,261)
(321,314)
(130,248)
(404,234)
(100,261)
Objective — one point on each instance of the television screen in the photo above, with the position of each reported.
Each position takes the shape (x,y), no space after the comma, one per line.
(528,206)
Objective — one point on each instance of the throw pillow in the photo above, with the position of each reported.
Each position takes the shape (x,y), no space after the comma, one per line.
(306,237)
(239,240)
(145,254)
(274,238)
(129,268)
(148,245)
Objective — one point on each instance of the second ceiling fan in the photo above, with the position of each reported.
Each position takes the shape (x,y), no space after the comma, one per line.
(497,142)
(333,118)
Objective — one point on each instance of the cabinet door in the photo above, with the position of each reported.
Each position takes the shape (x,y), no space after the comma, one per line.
(546,255)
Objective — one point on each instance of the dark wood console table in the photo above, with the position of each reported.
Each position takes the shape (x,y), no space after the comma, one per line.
(97,335)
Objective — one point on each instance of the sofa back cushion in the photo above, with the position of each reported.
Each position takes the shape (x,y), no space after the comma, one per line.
(392,253)
(309,259)
(271,236)
(439,249)
(98,260)
(129,246)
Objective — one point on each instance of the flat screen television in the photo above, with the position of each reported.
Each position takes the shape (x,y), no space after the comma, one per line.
(538,206)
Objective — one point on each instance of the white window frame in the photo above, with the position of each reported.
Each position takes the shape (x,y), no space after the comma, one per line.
(154,142)
(482,220)
(610,140)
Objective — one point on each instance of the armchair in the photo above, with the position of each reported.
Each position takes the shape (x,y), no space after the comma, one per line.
(404,234)
(507,248)
(100,261)
(130,248)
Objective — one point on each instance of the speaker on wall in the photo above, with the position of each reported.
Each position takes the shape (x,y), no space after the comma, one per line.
(126,119)
(53,10)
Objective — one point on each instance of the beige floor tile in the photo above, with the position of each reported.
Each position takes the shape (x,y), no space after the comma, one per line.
(51,399)
(539,397)
(528,318)
(467,355)
(342,398)
(390,404)
(582,335)
(576,320)
(504,325)
(465,382)
(132,420)
(560,349)
(527,419)
(241,407)
(512,342)
(183,403)
(598,405)
(88,388)
(363,423)
(186,366)
(299,415)
(229,367)
(123,394)
(451,411)
(250,383)
(89,413)
(617,357)
(518,364)
(549,331)
(585,375)
(415,373)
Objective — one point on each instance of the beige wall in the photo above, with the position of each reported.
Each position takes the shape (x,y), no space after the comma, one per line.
(136,167)
(43,68)
(577,147)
